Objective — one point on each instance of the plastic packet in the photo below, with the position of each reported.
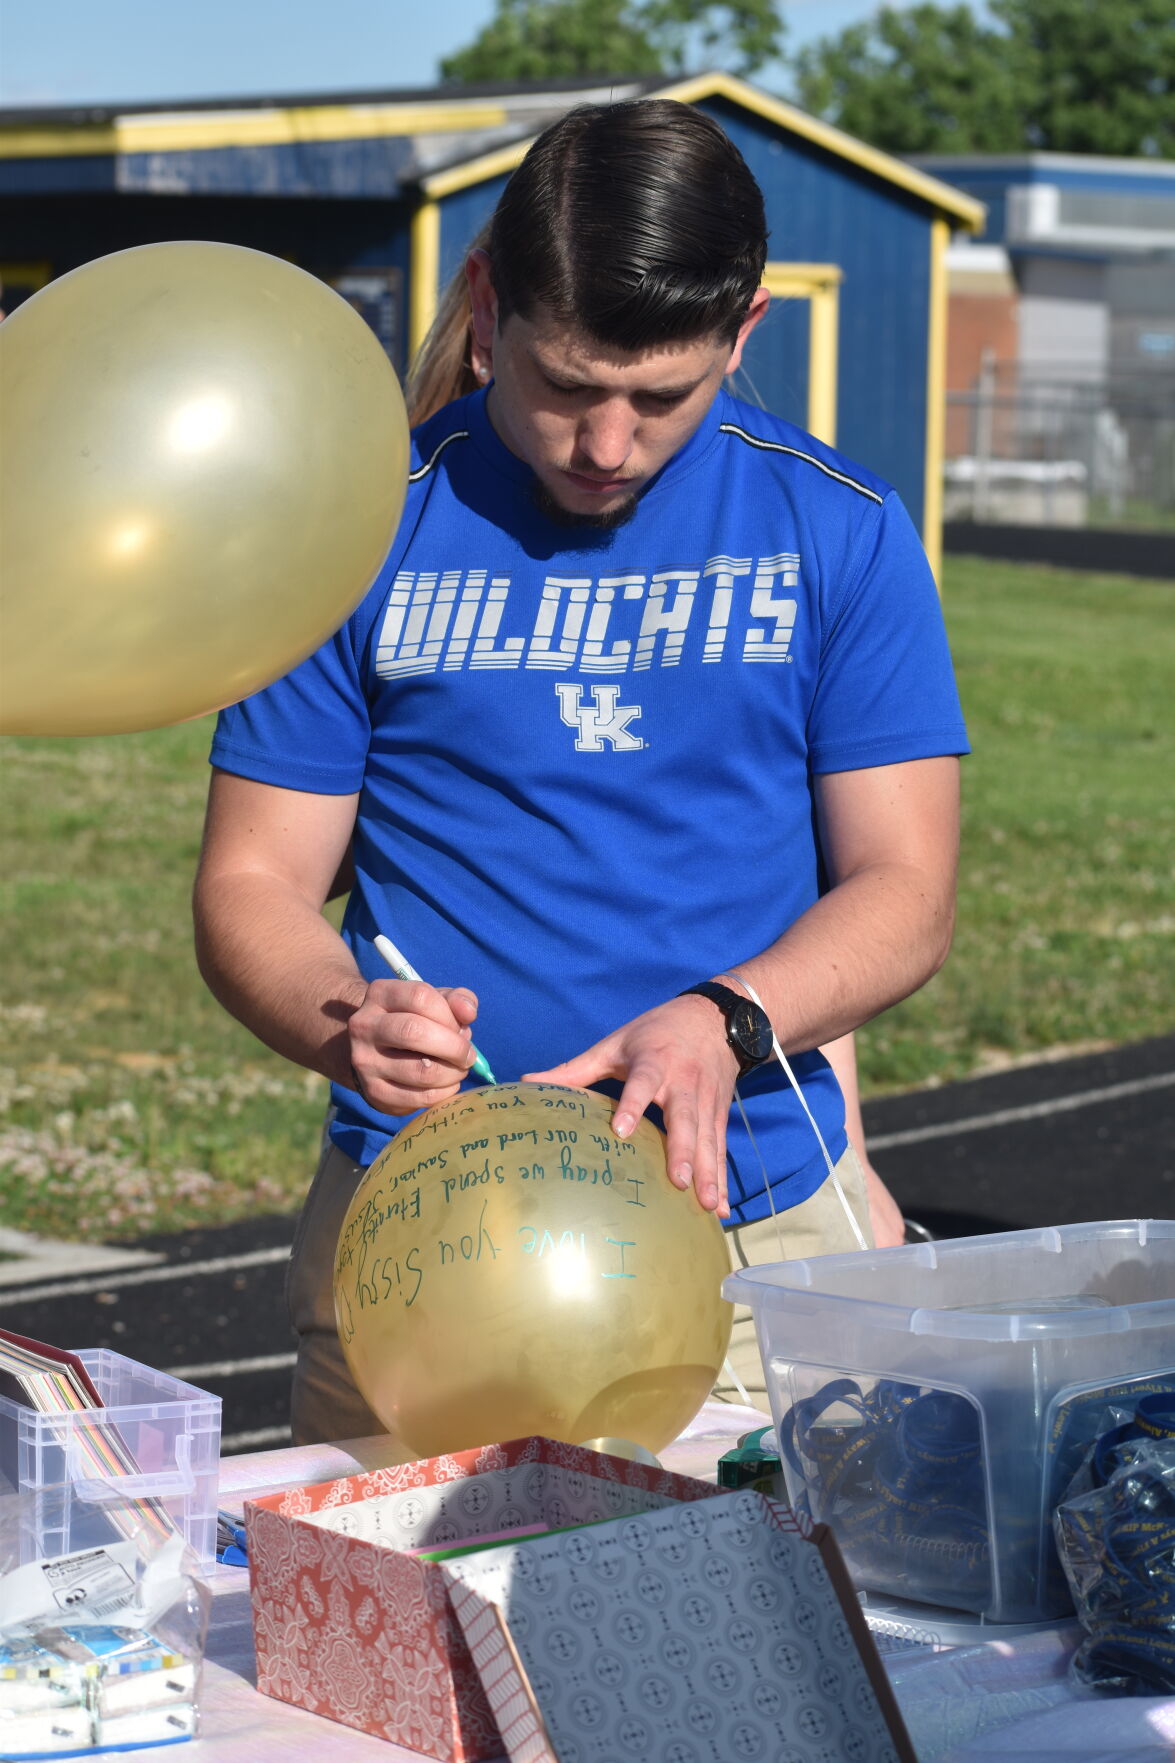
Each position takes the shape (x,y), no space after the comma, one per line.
(100,1649)
(897,1471)
(1115,1534)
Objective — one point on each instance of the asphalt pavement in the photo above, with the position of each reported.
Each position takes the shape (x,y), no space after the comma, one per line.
(1057,1142)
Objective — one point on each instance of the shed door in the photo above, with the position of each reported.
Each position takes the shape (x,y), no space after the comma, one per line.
(789,364)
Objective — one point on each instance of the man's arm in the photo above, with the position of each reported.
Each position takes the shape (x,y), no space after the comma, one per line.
(889,836)
(267,865)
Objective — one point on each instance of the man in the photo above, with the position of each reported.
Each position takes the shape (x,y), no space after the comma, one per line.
(652,692)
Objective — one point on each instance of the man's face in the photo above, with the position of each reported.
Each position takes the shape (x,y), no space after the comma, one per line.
(594,423)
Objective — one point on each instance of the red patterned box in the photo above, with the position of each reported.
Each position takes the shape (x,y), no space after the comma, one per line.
(348,1625)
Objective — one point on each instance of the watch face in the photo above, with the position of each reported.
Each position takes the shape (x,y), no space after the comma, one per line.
(750,1030)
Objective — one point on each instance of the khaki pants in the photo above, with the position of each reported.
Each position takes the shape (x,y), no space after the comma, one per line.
(817,1226)
(325,1405)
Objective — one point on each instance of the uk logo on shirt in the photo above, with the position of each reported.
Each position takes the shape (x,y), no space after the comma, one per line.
(604,721)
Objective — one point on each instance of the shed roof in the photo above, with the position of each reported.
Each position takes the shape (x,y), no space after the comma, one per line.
(457,136)
(943,198)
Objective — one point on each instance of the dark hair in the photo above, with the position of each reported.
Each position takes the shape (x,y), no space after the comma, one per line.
(638,222)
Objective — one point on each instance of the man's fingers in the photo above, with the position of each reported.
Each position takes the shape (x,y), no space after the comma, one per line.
(641,1087)
(391,1097)
(409,1050)
(668,1058)
(680,1111)
(586,1068)
(461,1001)
(710,1156)
(692,1149)
(410,1043)
(453,1006)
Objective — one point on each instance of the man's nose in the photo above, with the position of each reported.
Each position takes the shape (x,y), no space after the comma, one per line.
(606,435)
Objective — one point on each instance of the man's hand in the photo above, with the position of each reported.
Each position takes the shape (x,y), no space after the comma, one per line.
(411,1043)
(677,1057)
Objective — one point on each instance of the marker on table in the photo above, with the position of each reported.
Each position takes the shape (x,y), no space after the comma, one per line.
(403,969)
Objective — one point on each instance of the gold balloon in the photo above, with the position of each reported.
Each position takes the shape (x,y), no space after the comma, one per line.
(203,458)
(509,1266)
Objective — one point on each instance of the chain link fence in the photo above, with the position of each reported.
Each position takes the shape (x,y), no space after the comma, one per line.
(1062,451)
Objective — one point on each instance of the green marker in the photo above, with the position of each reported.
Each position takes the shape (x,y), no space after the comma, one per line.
(404,969)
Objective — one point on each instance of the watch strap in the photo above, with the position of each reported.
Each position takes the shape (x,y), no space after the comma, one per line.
(725,997)
(729,1001)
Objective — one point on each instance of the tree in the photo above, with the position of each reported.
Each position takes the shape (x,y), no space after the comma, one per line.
(1103,73)
(1066,76)
(562,39)
(929,79)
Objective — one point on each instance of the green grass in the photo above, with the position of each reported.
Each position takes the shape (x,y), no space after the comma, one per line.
(1134,514)
(129,1102)
(1066,895)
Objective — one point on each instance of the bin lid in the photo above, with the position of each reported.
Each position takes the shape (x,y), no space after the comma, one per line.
(1105,1278)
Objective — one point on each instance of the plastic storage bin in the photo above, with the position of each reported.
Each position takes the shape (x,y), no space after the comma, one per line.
(933,1402)
(150,1454)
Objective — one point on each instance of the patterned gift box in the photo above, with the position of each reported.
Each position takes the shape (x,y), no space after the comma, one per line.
(348,1625)
(696,1633)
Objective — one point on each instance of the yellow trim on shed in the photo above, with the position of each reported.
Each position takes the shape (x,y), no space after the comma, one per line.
(477,171)
(963,209)
(936,396)
(198,131)
(819,284)
(32,143)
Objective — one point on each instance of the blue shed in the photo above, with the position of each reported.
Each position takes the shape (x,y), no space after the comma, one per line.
(380,194)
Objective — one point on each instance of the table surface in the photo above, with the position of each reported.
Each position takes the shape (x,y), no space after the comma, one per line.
(1007,1699)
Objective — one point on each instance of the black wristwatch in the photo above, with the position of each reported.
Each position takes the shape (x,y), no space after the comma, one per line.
(748,1027)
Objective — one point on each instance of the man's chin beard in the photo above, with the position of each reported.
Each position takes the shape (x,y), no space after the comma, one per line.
(603,522)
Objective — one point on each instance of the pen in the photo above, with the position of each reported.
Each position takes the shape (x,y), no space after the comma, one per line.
(403,969)
(231,1547)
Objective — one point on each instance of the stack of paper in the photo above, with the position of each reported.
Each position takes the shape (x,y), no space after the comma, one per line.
(53,1381)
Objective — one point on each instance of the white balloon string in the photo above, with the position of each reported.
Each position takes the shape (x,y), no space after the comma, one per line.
(737,1381)
(766,1177)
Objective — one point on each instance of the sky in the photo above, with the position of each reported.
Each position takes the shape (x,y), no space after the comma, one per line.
(60,52)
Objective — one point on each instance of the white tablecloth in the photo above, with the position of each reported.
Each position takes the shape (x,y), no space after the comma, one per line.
(1013,1702)
(1009,1701)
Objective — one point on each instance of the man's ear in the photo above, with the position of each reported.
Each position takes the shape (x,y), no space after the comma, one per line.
(755,311)
(483,302)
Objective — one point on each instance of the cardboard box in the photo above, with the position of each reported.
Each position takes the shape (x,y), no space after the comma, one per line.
(347,1625)
(680,1636)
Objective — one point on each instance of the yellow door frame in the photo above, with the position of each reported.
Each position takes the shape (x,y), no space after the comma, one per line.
(819,285)
(424,273)
(936,395)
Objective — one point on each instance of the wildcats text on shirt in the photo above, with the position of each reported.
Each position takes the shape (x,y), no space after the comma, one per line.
(457,620)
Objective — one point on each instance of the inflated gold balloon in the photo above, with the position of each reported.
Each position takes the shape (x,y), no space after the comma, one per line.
(509,1266)
(203,458)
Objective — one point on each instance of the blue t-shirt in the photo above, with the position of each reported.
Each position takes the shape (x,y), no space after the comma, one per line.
(585,759)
